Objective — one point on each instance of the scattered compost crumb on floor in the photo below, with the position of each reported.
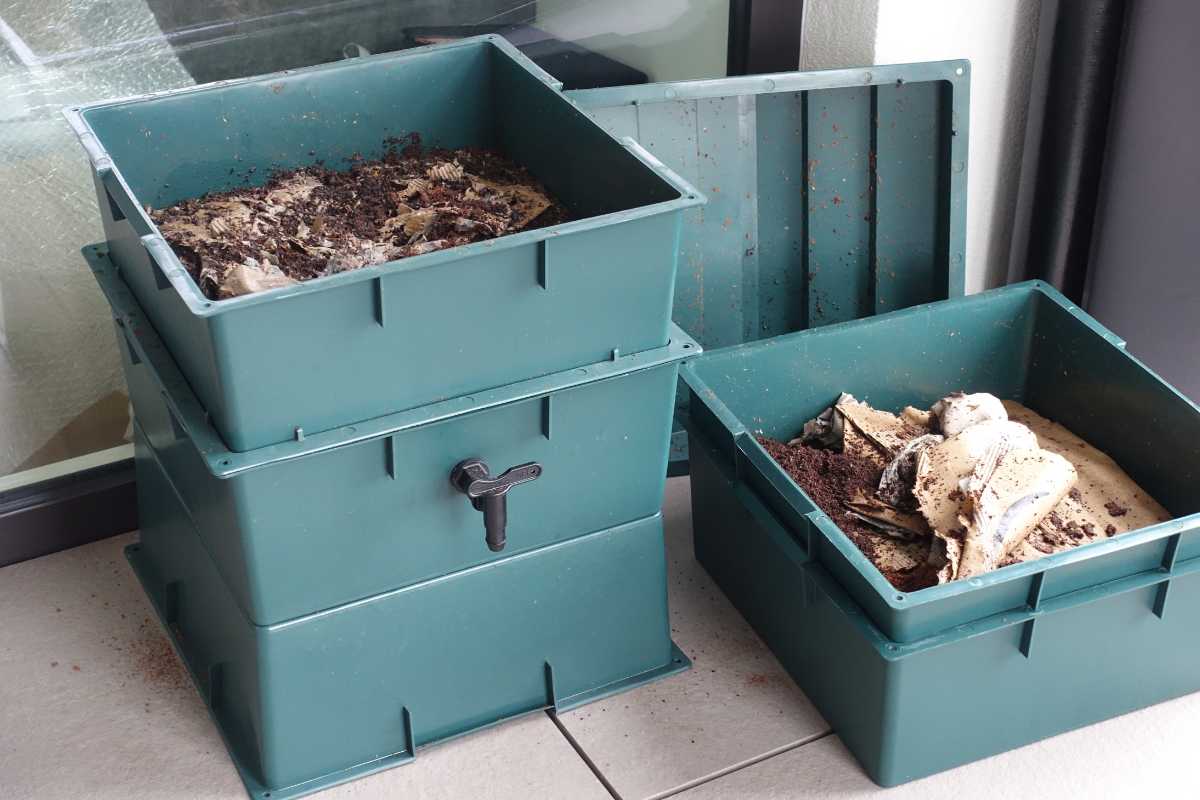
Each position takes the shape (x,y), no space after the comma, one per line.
(315,221)
(154,662)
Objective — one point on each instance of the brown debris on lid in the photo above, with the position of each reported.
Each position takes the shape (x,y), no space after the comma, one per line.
(445,171)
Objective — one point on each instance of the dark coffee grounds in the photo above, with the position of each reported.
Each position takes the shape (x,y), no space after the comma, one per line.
(830,479)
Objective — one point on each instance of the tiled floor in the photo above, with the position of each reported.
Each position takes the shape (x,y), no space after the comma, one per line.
(94,705)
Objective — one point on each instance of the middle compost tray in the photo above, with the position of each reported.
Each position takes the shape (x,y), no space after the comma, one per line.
(362,343)
(370,507)
(1024,342)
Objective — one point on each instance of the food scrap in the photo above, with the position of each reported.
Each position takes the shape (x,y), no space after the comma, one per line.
(970,485)
(312,222)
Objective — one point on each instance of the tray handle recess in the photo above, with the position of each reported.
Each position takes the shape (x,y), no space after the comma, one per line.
(490,494)
(120,201)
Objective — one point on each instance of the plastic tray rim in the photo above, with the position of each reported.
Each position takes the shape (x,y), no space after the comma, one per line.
(956,71)
(891,650)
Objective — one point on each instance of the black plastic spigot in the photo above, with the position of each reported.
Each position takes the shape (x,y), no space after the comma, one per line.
(490,494)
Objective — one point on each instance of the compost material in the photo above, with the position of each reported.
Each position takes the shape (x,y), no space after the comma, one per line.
(830,478)
(312,222)
(969,486)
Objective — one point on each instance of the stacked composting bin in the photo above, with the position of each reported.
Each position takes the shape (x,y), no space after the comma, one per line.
(396,504)
(335,593)
(836,201)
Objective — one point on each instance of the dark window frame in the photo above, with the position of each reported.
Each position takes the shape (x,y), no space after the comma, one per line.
(67,511)
(764,36)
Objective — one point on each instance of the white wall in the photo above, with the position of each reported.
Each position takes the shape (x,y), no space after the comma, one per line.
(998,36)
(669,40)
(838,33)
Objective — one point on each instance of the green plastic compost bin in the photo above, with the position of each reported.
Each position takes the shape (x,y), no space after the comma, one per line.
(923,681)
(830,258)
(907,710)
(831,195)
(306,525)
(357,345)
(357,688)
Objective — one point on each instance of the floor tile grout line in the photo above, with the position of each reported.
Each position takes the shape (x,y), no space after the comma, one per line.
(750,762)
(583,755)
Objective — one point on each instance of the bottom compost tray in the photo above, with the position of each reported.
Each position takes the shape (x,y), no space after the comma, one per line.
(907,710)
(1024,342)
(341,693)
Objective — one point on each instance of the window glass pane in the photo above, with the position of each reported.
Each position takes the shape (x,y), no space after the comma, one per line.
(61,391)
(668,40)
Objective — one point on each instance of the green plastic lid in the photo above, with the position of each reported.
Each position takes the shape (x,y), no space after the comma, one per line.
(832,195)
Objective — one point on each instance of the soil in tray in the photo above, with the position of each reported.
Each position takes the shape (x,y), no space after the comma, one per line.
(315,221)
(829,478)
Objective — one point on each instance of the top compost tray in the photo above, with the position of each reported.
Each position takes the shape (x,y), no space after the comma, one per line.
(360,344)
(1025,342)
(832,195)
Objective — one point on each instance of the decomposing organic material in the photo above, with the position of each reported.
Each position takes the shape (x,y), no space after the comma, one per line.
(313,222)
(958,411)
(971,485)
(900,476)
(1008,493)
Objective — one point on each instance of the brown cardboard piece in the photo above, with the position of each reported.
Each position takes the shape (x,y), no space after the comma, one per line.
(246,279)
(942,468)
(1104,502)
(887,518)
(1008,494)
(886,431)
(1007,486)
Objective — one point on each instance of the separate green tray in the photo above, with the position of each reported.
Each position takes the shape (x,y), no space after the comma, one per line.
(907,710)
(1025,342)
(832,195)
(368,342)
(351,690)
(369,507)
